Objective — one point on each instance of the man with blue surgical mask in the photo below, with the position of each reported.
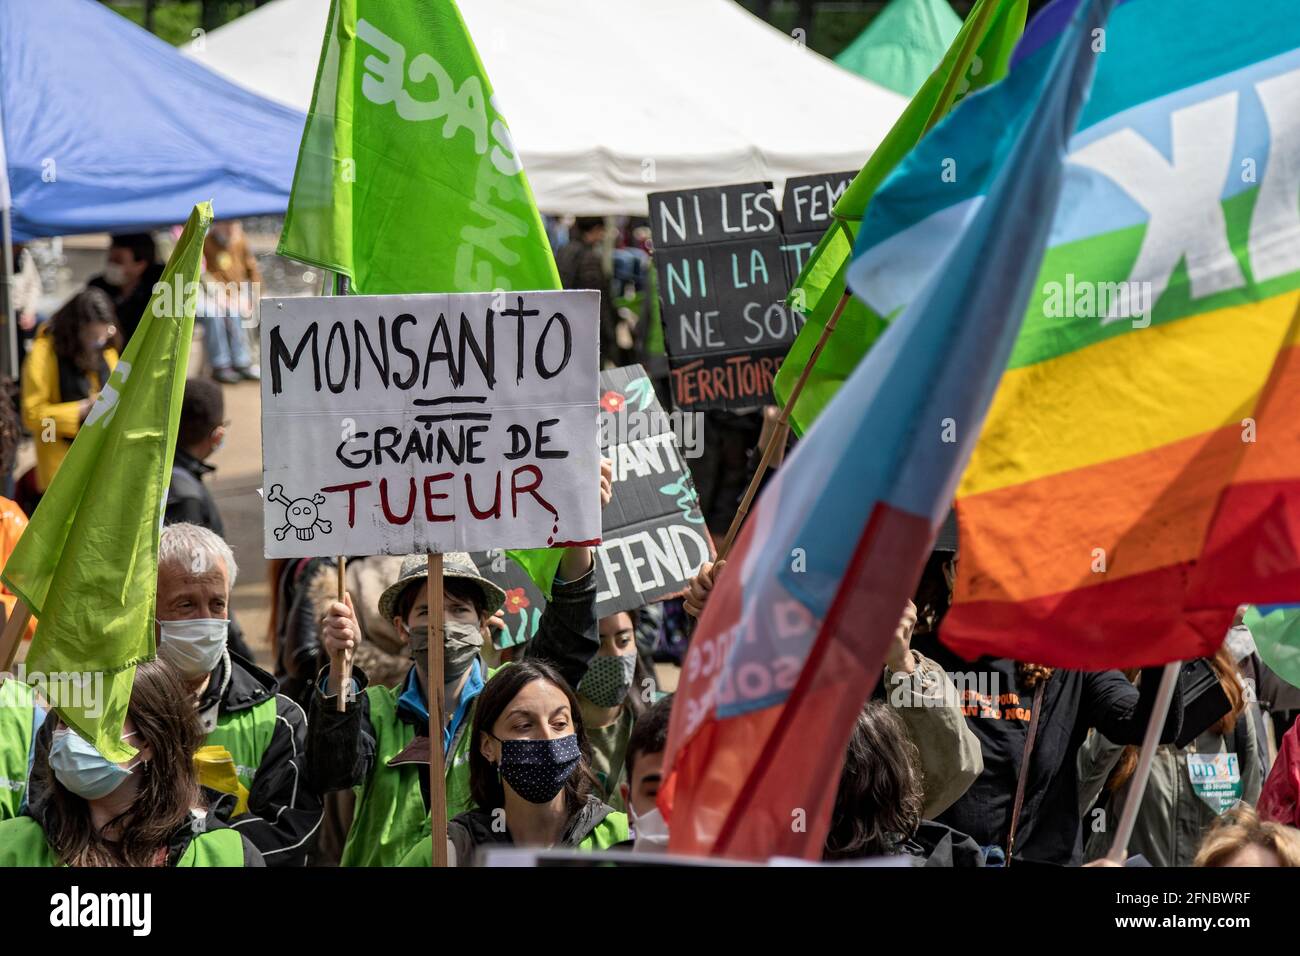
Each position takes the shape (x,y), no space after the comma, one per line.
(252,761)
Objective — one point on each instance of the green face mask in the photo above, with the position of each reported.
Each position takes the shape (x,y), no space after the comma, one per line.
(608,679)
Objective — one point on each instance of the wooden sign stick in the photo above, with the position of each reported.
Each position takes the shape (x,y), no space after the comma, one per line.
(778,436)
(343,661)
(781,431)
(1164,694)
(337,284)
(13,634)
(437,772)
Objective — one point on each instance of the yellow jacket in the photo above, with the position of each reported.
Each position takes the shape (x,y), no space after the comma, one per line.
(42,404)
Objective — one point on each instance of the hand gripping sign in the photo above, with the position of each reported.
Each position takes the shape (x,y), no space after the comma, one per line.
(429,423)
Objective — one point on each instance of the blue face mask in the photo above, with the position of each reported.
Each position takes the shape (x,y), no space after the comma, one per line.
(83,769)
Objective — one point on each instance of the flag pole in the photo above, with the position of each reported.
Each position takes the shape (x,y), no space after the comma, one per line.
(1164,695)
(13,634)
(10,357)
(343,662)
(337,284)
(778,436)
(437,773)
(9,336)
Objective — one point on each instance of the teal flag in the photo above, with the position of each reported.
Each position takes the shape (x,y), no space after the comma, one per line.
(903,44)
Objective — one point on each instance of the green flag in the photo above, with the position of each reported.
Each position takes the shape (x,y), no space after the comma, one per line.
(407,179)
(979,56)
(1276,631)
(87,564)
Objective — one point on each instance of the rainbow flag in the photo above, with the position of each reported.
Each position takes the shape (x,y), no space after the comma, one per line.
(794,636)
(1138,475)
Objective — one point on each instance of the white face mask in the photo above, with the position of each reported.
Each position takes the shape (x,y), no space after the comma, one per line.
(193,647)
(1241,643)
(650,831)
(114,274)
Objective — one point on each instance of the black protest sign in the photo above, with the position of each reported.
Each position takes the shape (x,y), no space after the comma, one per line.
(809,201)
(725,261)
(690,217)
(654,538)
(722,278)
(806,213)
(523,606)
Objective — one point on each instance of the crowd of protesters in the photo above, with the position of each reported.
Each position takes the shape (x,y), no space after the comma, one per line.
(559,743)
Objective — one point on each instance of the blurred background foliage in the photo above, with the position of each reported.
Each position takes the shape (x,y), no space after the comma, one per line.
(828,25)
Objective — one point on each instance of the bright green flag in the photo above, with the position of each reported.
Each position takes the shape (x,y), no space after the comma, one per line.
(978,57)
(87,564)
(407,179)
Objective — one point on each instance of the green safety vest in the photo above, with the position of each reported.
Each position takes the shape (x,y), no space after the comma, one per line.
(390,815)
(609,831)
(246,734)
(23,843)
(17,702)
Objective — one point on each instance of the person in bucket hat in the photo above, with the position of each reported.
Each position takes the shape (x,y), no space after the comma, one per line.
(379,745)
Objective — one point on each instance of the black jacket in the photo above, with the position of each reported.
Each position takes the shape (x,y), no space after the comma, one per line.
(283,811)
(581,266)
(188,498)
(1050,828)
(130,309)
(341,747)
(478,828)
(937,845)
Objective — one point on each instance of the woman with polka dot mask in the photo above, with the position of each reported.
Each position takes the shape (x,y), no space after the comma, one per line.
(530,775)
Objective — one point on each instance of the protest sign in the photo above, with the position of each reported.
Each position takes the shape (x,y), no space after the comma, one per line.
(654,538)
(806,214)
(429,423)
(724,265)
(722,278)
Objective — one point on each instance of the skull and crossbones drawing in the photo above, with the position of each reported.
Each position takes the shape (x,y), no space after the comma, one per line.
(302,515)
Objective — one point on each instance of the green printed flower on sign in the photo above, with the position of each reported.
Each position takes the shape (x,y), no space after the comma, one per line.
(641,391)
(688,501)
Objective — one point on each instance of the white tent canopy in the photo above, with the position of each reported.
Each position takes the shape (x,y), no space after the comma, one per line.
(609,100)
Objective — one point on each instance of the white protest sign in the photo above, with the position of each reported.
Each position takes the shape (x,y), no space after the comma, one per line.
(429,423)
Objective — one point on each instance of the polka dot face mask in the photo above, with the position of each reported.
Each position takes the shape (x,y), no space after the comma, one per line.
(608,679)
(538,769)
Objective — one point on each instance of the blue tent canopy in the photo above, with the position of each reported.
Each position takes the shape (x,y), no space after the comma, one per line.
(108,128)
